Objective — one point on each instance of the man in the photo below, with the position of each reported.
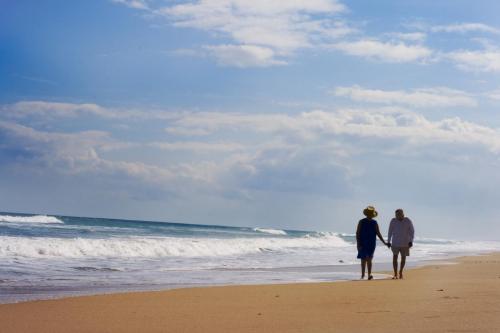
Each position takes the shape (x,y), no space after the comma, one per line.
(400,239)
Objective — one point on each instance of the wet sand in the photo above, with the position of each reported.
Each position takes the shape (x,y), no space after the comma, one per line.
(439,298)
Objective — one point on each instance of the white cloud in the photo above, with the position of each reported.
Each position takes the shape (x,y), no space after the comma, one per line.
(289,129)
(465,28)
(51,109)
(315,169)
(284,25)
(397,124)
(44,109)
(81,153)
(244,55)
(269,33)
(207,123)
(311,152)
(495,94)
(278,28)
(408,36)
(397,52)
(424,98)
(197,146)
(136,4)
(476,61)
(70,151)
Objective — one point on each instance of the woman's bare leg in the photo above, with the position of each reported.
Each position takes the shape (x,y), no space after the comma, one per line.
(363,268)
(369,262)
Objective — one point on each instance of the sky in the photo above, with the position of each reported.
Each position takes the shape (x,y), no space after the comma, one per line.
(284,114)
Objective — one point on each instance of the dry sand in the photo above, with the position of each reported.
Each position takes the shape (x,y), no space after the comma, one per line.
(439,298)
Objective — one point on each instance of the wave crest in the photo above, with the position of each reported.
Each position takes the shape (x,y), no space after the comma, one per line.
(134,247)
(270,231)
(30,219)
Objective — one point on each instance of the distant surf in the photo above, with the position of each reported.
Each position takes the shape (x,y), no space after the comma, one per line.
(271,231)
(44,256)
(30,219)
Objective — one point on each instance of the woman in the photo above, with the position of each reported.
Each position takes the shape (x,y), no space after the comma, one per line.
(366,238)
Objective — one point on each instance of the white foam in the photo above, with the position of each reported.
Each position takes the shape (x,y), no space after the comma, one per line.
(158,246)
(30,219)
(270,231)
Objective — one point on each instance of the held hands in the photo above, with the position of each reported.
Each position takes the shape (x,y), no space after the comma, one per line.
(410,244)
(388,245)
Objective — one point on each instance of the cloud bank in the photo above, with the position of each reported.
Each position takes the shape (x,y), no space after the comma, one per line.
(419,98)
(227,160)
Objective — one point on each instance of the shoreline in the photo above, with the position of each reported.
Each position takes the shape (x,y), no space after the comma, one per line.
(434,298)
(381,269)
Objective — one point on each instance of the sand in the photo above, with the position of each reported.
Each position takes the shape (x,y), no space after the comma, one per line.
(440,298)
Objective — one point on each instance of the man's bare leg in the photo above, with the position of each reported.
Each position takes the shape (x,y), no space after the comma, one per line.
(403,262)
(395,266)
(363,267)
(369,261)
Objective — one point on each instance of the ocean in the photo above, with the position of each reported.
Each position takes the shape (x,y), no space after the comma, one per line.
(44,257)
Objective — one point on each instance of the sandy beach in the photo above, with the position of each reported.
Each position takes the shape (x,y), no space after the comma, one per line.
(439,298)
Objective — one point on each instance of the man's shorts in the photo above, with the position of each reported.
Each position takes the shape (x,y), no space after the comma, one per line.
(404,250)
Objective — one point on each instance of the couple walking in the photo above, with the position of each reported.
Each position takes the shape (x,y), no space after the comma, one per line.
(401,233)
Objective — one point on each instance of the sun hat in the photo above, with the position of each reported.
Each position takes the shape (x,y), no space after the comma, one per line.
(370,211)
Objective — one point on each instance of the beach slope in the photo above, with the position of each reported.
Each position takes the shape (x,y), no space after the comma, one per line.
(438,298)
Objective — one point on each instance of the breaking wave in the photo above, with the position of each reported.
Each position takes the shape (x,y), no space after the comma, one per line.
(129,247)
(270,231)
(30,219)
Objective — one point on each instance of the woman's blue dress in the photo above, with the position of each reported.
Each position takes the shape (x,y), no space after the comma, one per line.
(368,238)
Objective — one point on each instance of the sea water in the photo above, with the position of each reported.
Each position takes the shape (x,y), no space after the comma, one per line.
(53,256)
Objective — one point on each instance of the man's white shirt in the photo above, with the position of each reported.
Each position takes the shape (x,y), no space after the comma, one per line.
(400,232)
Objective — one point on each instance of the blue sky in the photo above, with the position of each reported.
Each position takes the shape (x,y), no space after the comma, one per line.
(285,114)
